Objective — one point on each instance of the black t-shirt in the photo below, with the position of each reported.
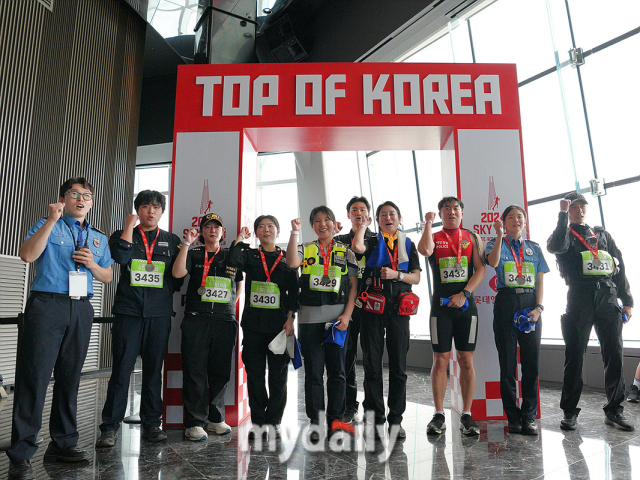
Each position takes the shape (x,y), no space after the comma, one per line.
(222,288)
(390,288)
(258,314)
(139,301)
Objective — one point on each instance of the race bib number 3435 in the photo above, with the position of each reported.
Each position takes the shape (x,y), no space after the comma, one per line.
(140,277)
(217,290)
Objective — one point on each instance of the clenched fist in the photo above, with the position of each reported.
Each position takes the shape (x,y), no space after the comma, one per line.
(191,236)
(131,221)
(55,211)
(498,227)
(296,224)
(243,235)
(564,205)
(430,217)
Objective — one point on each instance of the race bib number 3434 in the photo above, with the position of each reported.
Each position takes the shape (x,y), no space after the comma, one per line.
(217,290)
(140,277)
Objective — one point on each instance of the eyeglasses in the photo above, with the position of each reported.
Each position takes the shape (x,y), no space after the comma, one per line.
(76,195)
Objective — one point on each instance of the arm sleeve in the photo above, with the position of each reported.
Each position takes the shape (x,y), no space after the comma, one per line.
(35,227)
(414,259)
(107,259)
(620,278)
(291,297)
(488,249)
(120,249)
(352,263)
(301,252)
(175,250)
(542,263)
(559,241)
(238,255)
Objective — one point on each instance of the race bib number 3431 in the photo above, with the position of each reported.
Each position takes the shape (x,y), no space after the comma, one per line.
(217,290)
(603,265)
(140,277)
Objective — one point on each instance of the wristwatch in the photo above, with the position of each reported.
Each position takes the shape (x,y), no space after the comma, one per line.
(400,276)
(540,307)
(467,293)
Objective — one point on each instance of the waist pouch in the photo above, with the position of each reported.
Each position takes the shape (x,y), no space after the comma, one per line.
(374,303)
(408,303)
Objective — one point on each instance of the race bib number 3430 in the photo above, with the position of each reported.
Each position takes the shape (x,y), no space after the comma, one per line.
(217,290)
(140,277)
(264,295)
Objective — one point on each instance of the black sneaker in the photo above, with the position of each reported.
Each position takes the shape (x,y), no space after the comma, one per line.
(436,426)
(21,470)
(515,427)
(107,439)
(569,422)
(401,433)
(529,427)
(153,434)
(349,415)
(617,420)
(468,426)
(71,454)
(634,394)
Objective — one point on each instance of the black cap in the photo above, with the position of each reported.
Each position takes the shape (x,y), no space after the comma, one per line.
(212,217)
(576,197)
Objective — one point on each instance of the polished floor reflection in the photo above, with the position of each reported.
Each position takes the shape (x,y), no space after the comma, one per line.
(593,451)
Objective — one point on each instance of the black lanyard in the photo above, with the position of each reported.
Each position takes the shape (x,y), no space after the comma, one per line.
(76,244)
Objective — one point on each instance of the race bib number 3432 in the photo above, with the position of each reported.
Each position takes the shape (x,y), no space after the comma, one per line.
(140,277)
(451,271)
(217,290)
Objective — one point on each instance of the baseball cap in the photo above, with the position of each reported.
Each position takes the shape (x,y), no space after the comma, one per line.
(576,197)
(212,217)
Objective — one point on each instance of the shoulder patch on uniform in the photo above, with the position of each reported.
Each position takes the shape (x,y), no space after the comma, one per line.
(98,230)
(534,243)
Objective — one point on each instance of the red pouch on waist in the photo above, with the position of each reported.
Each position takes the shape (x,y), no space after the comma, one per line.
(374,303)
(408,303)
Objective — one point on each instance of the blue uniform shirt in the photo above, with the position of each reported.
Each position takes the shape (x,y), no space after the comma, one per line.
(54,264)
(532,255)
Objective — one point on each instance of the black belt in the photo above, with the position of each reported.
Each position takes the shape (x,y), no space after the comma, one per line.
(59,295)
(518,290)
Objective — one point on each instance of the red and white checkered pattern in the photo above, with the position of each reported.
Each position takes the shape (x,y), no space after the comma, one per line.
(487,402)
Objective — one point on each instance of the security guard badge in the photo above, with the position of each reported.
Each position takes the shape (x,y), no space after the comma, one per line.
(529,252)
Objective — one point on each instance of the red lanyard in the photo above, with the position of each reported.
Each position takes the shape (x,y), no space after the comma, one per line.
(326,257)
(207,265)
(149,251)
(457,251)
(393,256)
(264,264)
(594,252)
(515,258)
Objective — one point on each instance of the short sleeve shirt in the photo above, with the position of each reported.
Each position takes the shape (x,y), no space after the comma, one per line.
(533,261)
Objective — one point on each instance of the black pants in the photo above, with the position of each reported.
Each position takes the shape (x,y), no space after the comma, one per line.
(266,409)
(316,357)
(54,337)
(131,336)
(207,349)
(372,331)
(350,365)
(592,305)
(507,338)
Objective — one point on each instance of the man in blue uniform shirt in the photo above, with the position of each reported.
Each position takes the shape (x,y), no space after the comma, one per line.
(143,308)
(67,253)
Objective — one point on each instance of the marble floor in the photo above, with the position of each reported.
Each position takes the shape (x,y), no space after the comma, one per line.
(593,451)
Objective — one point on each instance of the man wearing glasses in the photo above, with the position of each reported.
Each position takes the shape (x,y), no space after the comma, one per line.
(53,336)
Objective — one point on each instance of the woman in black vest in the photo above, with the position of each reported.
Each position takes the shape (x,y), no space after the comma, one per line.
(209,328)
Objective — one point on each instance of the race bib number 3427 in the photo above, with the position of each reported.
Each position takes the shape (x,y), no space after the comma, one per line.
(217,290)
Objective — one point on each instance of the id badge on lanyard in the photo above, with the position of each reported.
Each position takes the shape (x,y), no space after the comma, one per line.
(78,283)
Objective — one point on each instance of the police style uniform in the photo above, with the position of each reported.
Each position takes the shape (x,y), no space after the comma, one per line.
(209,333)
(354,327)
(267,303)
(448,323)
(396,327)
(592,301)
(143,308)
(513,297)
(320,302)
(54,336)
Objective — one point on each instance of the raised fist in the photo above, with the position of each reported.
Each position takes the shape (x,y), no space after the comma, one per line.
(192,235)
(243,235)
(296,224)
(55,211)
(564,205)
(131,220)
(430,217)
(498,227)
(367,221)
(337,227)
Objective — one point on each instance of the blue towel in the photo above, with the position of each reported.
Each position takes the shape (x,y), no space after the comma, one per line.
(333,335)
(380,254)
(445,301)
(522,322)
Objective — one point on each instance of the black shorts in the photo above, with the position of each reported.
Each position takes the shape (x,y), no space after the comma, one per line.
(447,324)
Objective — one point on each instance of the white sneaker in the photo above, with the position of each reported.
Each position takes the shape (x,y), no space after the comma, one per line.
(218,428)
(195,434)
